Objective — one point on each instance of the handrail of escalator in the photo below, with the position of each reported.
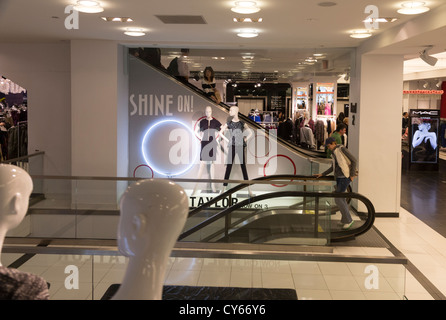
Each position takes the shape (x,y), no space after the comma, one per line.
(336,235)
(244,185)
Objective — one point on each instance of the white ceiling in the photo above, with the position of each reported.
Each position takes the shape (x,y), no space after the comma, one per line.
(291,30)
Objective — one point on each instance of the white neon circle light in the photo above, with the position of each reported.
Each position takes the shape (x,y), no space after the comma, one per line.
(146,156)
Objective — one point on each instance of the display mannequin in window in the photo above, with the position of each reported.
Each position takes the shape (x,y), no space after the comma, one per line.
(239,134)
(208,129)
(153,214)
(15,189)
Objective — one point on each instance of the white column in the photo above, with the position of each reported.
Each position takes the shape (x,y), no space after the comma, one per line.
(375,136)
(99,135)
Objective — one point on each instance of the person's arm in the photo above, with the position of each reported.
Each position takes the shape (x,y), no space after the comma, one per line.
(353,162)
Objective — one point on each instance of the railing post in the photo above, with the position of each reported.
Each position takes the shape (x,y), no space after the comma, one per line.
(316,217)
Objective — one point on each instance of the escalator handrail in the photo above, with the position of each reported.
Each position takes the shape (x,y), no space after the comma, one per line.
(243,185)
(339,235)
(344,234)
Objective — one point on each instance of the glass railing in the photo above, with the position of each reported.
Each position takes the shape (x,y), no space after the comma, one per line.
(76,270)
(274,209)
(69,237)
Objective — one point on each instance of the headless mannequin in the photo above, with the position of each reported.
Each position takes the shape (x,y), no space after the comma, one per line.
(239,147)
(307,131)
(153,214)
(15,188)
(207,158)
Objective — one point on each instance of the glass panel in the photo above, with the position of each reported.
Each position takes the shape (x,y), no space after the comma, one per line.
(88,277)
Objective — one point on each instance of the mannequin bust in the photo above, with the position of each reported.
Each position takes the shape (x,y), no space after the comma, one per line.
(207,130)
(153,214)
(15,188)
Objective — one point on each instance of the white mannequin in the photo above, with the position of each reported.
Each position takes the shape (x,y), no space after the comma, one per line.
(233,112)
(210,164)
(15,189)
(153,214)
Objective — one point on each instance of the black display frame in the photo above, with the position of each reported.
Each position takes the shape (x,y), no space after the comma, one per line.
(421,158)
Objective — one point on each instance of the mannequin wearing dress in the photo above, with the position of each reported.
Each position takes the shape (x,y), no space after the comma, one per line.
(153,214)
(207,129)
(15,189)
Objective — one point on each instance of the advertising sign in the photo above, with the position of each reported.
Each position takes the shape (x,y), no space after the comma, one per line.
(424,138)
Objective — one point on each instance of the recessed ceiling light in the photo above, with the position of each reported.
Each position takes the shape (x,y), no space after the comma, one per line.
(248,19)
(380,20)
(413,7)
(135,32)
(247,33)
(361,34)
(88,6)
(117,19)
(245,7)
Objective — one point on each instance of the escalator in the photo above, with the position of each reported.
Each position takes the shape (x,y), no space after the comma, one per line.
(298,213)
(305,216)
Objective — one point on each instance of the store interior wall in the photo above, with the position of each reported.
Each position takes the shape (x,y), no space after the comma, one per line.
(44,70)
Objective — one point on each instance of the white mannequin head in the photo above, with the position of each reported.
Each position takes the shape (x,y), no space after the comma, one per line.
(15,188)
(233,111)
(208,112)
(153,213)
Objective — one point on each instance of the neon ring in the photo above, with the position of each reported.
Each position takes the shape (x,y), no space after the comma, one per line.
(146,158)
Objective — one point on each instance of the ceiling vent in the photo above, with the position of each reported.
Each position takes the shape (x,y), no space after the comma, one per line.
(180,19)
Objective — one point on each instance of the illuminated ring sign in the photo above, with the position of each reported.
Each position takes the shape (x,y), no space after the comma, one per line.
(146,156)
(279,155)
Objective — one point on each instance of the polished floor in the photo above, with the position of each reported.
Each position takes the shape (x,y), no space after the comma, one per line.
(423,193)
(416,234)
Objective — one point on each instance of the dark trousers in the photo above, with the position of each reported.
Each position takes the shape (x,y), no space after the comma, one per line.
(240,151)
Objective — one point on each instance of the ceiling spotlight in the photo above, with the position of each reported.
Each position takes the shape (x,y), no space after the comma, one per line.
(413,7)
(117,19)
(427,58)
(361,34)
(245,7)
(380,20)
(247,33)
(88,6)
(425,85)
(438,84)
(247,19)
(135,32)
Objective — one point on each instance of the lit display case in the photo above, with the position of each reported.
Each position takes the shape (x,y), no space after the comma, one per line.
(325,98)
(424,139)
